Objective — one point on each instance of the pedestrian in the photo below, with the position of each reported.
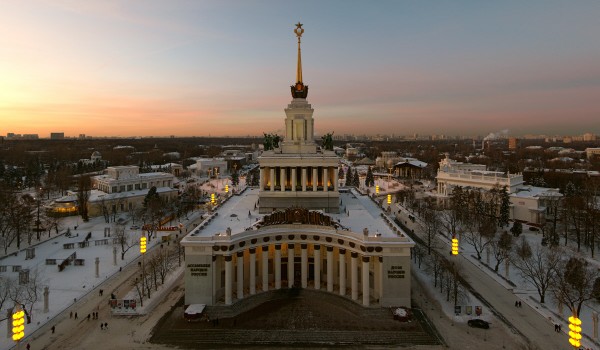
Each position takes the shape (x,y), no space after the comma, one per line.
(88,317)
(101,326)
(559,328)
(555,327)
(76,315)
(53,329)
(101,292)
(105,325)
(71,314)
(28,346)
(519,304)
(516,303)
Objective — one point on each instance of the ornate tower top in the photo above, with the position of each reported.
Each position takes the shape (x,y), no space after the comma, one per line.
(299,90)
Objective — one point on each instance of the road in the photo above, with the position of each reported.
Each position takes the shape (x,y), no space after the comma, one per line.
(534,327)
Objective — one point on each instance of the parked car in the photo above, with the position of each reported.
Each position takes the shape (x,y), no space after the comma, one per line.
(135,227)
(478,323)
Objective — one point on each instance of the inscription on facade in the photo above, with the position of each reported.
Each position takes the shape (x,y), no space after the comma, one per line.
(198,270)
(395,272)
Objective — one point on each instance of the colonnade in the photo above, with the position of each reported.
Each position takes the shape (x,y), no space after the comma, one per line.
(305,178)
(260,269)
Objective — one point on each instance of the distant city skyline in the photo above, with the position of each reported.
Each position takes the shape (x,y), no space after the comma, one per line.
(223,68)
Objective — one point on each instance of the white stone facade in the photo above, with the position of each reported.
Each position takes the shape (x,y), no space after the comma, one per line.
(128,178)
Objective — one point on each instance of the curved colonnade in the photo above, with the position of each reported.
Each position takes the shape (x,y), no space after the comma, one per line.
(226,268)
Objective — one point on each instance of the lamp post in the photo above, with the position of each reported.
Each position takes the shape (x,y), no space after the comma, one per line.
(143,252)
(18,323)
(389,177)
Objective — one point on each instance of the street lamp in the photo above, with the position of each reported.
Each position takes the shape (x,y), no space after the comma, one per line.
(454,245)
(143,252)
(575,331)
(18,323)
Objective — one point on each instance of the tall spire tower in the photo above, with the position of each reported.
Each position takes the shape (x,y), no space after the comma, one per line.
(299,90)
(299,172)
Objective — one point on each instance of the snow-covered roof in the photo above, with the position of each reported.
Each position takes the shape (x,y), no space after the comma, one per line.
(96,195)
(413,162)
(357,212)
(534,191)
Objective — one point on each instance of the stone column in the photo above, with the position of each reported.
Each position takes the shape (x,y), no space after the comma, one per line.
(46,293)
(252,271)
(304,267)
(277,266)
(97,267)
(240,275)
(304,179)
(365,280)
(293,179)
(379,277)
(317,272)
(114,255)
(228,279)
(272,178)
(9,313)
(336,179)
(282,178)
(342,257)
(354,275)
(265,268)
(290,265)
(325,178)
(261,181)
(330,269)
(315,178)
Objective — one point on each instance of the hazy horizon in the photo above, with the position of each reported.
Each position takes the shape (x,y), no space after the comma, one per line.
(223,68)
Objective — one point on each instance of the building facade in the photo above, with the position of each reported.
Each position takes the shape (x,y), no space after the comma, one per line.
(363,256)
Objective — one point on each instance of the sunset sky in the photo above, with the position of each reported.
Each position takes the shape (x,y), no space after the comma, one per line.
(199,68)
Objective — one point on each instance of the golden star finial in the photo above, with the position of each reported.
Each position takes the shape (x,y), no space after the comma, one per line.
(299,30)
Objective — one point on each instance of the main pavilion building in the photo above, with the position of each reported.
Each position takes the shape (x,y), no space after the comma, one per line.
(298,230)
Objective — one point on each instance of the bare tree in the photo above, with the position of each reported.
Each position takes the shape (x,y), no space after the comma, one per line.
(83,195)
(575,283)
(434,266)
(479,232)
(124,240)
(32,291)
(430,223)
(501,247)
(4,291)
(536,265)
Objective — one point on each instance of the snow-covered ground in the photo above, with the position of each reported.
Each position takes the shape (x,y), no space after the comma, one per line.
(526,291)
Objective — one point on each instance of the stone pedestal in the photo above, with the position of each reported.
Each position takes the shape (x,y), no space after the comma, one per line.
(46,293)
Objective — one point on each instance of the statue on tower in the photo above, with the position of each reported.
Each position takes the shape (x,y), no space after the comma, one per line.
(299,90)
(327,141)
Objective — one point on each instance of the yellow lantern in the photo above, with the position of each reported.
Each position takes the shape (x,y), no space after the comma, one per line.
(575,331)
(454,246)
(142,245)
(389,199)
(18,323)
(377,189)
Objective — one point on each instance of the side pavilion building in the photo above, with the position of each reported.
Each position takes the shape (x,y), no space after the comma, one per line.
(298,230)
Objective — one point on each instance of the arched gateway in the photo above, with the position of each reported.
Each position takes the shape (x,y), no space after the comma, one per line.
(303,241)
